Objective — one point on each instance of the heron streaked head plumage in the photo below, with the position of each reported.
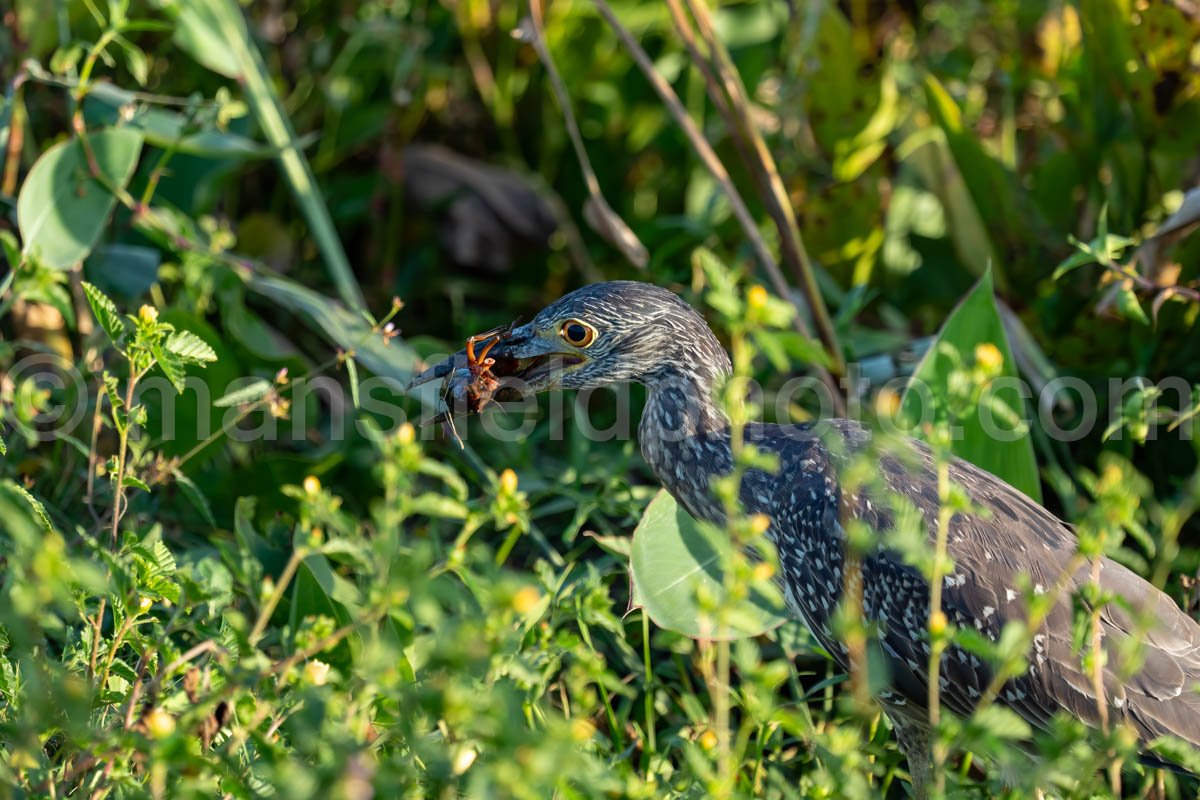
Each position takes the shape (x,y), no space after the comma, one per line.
(613,332)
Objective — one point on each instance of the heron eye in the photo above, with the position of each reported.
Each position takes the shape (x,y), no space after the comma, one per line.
(577,333)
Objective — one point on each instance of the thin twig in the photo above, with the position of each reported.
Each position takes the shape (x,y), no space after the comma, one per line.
(715,168)
(605,220)
(775,199)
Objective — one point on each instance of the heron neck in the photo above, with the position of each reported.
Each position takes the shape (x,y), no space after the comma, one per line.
(684,435)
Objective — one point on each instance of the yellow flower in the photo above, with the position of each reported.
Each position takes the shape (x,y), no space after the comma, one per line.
(312,485)
(405,434)
(582,730)
(759,524)
(887,403)
(148,314)
(937,623)
(757,297)
(508,482)
(316,672)
(526,599)
(159,723)
(988,356)
(763,571)
(707,739)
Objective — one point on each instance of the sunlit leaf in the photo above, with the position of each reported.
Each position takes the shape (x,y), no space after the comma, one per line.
(62,208)
(190,348)
(106,314)
(1006,452)
(674,561)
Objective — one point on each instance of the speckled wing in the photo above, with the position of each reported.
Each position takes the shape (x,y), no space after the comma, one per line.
(991,552)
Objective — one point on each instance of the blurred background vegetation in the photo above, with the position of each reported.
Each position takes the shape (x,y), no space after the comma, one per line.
(380,612)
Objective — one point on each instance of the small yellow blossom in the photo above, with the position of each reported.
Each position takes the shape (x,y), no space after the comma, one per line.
(707,739)
(316,672)
(508,482)
(148,314)
(144,604)
(937,623)
(582,730)
(406,434)
(312,485)
(526,599)
(887,403)
(759,524)
(757,297)
(763,571)
(989,357)
(159,723)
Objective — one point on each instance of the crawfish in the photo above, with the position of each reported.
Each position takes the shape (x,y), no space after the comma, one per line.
(472,387)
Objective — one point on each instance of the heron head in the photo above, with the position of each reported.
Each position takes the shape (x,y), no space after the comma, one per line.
(605,333)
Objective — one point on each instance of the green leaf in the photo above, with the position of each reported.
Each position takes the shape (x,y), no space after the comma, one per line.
(674,561)
(1002,722)
(108,104)
(192,492)
(12,251)
(392,359)
(190,348)
(135,60)
(129,481)
(1078,259)
(352,373)
(974,322)
(38,509)
(171,365)
(214,32)
(1127,305)
(255,390)
(62,208)
(126,270)
(106,314)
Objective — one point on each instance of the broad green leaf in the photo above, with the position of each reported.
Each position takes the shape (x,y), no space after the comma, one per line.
(127,270)
(62,208)
(199,35)
(106,314)
(674,561)
(1009,456)
(190,348)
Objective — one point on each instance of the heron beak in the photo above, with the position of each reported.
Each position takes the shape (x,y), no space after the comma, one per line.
(530,362)
(526,361)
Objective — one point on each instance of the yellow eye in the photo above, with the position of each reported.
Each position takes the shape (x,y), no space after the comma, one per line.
(577,333)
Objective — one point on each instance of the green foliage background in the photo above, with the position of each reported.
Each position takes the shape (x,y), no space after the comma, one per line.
(186,613)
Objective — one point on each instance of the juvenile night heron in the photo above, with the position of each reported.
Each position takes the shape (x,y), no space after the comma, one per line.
(626,331)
